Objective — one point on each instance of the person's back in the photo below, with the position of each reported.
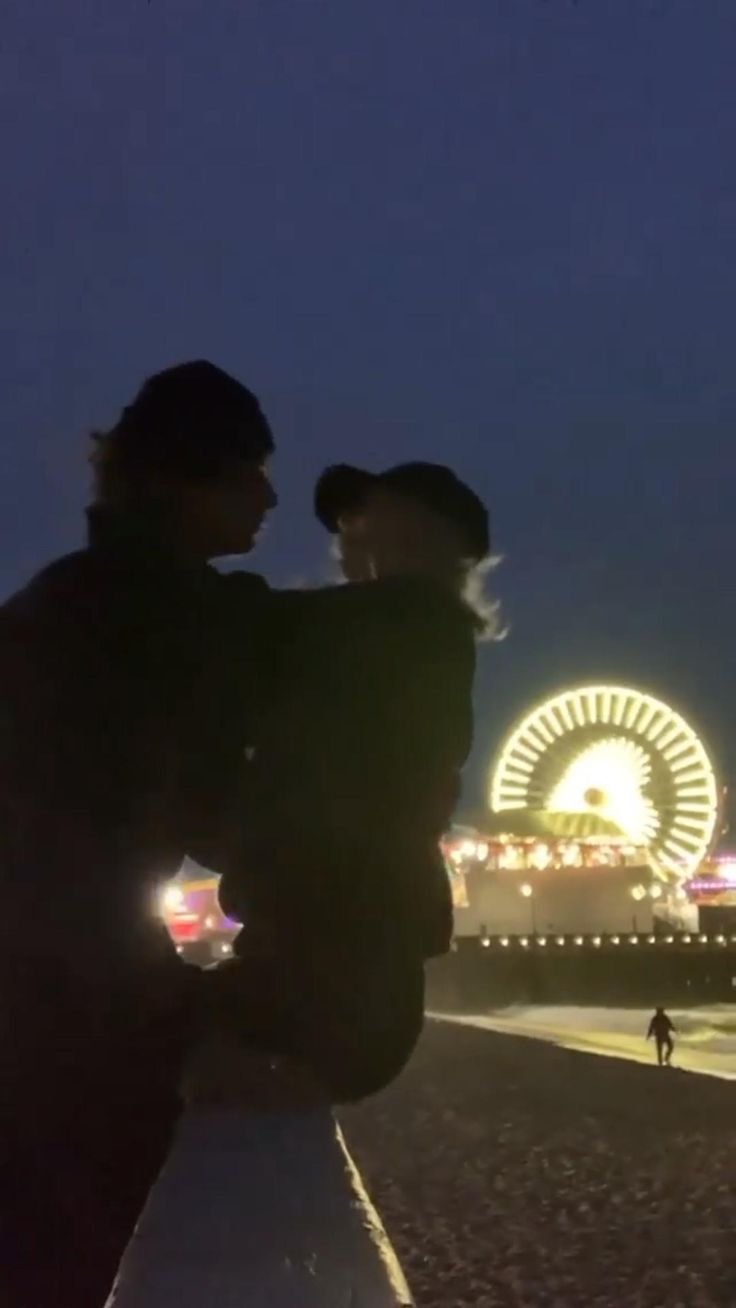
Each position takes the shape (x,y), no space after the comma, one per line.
(99,656)
(372,685)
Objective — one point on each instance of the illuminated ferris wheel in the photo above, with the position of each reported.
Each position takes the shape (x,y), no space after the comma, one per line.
(622,755)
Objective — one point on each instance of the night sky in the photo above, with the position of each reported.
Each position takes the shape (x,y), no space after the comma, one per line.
(499,233)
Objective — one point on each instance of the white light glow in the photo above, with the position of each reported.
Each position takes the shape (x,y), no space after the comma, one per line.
(172,899)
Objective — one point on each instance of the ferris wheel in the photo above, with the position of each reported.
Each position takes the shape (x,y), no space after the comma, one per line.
(622,755)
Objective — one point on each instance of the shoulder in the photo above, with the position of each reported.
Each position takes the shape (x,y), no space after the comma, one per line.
(392,601)
(416,613)
(54,589)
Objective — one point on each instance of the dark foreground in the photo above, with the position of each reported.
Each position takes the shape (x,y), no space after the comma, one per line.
(509,1172)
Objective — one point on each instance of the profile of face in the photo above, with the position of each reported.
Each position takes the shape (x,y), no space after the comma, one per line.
(392,534)
(226,512)
(353,548)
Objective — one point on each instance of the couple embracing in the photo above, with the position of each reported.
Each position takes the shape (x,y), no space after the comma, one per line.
(307,745)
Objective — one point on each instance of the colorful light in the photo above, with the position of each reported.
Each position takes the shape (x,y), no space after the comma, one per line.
(623,755)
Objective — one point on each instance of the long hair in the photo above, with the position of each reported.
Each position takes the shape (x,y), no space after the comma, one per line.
(431,547)
(485,607)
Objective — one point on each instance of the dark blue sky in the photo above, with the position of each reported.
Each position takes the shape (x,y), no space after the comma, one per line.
(496,232)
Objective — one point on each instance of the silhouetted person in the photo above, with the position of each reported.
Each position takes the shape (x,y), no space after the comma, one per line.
(357,772)
(661,1029)
(124,716)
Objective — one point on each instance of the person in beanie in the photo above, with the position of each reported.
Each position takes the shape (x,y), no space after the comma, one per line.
(369,721)
(126,703)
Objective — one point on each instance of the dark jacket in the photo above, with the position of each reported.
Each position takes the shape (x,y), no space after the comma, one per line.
(358,762)
(660,1027)
(126,699)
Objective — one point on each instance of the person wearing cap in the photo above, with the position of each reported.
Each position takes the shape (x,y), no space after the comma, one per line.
(356,775)
(127,703)
(413,518)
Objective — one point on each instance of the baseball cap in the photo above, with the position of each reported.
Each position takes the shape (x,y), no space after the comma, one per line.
(191,417)
(343,488)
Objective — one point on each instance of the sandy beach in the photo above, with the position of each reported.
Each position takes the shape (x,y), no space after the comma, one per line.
(512,1172)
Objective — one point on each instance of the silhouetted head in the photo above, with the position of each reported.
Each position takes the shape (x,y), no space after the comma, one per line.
(413,518)
(191,450)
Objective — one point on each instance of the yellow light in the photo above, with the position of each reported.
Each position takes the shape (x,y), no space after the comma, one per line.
(526,890)
(482,851)
(608,778)
(615,940)
(670,940)
(504,941)
(640,729)
(638,893)
(655,890)
(560,940)
(172,899)
(686,940)
(578,940)
(541,940)
(596,941)
(633,940)
(485,942)
(541,857)
(652,940)
(524,942)
(703,940)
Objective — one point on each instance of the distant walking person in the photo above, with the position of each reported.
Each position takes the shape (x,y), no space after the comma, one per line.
(661,1028)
